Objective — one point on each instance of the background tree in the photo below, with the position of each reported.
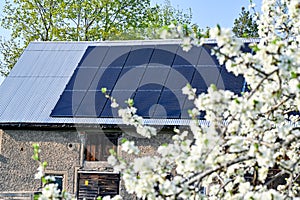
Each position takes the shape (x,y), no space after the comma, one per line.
(10,51)
(245,26)
(81,20)
(158,16)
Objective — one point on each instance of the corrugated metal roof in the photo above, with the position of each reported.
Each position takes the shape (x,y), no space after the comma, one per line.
(35,84)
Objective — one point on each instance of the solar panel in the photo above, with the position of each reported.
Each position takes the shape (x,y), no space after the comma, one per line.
(179,76)
(130,78)
(121,96)
(151,75)
(171,103)
(204,77)
(106,77)
(145,101)
(68,104)
(81,79)
(205,57)
(93,56)
(154,77)
(139,55)
(91,105)
(164,54)
(116,56)
(229,81)
(187,58)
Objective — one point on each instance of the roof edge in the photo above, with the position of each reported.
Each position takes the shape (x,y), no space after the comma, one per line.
(138,42)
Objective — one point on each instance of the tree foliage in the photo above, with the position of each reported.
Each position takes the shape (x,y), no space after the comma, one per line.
(245,26)
(10,51)
(158,16)
(72,19)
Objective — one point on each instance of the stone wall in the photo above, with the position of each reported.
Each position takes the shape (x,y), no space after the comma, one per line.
(61,149)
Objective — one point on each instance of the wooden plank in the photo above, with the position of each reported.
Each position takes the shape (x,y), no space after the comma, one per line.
(99,185)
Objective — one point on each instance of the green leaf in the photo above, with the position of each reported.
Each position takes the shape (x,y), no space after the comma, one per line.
(130,102)
(35,157)
(103,90)
(214,87)
(294,75)
(112,152)
(165,145)
(124,140)
(44,164)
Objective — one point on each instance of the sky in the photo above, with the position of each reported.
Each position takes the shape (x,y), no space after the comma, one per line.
(209,13)
(206,13)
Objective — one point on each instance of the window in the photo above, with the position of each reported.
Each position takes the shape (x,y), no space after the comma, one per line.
(59,180)
(97,146)
(92,185)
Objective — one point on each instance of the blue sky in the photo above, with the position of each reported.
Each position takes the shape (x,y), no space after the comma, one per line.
(209,13)
(206,13)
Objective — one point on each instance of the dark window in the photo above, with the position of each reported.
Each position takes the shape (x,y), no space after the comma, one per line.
(97,146)
(59,180)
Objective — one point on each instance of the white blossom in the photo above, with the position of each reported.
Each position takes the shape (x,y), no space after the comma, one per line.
(50,191)
(40,172)
(129,147)
(245,135)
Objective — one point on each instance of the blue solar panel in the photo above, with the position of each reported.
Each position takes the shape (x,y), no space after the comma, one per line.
(116,56)
(146,101)
(164,54)
(91,105)
(154,77)
(93,56)
(106,77)
(230,82)
(179,76)
(130,78)
(205,57)
(81,79)
(121,96)
(190,57)
(171,103)
(204,77)
(68,104)
(139,55)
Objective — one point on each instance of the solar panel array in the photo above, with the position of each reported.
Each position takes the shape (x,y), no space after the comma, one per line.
(152,75)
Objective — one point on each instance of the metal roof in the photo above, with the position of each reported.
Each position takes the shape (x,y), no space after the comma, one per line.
(35,84)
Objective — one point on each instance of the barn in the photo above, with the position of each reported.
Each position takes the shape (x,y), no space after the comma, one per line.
(53,98)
